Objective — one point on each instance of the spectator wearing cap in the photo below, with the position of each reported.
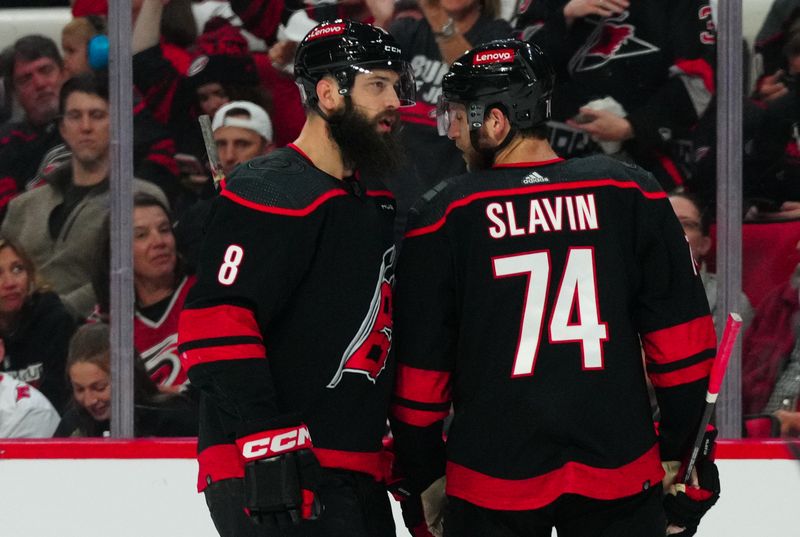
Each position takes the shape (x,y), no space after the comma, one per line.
(242,131)
(222,71)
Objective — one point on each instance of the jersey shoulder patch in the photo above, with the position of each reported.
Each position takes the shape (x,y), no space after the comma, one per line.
(282,180)
(432,206)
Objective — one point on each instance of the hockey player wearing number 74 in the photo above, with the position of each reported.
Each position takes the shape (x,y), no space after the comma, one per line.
(525,292)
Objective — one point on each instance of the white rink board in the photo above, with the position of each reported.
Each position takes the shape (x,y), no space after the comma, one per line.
(156,497)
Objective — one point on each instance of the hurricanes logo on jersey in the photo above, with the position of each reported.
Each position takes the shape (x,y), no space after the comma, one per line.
(610,40)
(367,352)
(163,364)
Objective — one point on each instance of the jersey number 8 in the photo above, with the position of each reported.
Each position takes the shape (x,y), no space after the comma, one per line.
(229,268)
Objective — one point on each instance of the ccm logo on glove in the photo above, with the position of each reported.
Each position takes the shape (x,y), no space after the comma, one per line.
(275,442)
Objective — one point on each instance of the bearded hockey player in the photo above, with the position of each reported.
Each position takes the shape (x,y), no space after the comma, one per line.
(525,292)
(288,329)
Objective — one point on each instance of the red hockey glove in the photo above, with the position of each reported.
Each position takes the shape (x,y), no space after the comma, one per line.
(280,477)
(685,504)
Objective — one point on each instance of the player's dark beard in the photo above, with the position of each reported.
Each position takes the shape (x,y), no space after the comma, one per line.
(362,146)
(478,159)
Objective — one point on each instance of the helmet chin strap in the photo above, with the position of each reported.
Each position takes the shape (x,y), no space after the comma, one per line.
(348,106)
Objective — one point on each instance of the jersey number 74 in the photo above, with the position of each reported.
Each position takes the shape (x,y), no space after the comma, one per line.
(577,288)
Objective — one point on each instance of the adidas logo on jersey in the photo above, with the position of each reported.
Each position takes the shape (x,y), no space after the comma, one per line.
(534,177)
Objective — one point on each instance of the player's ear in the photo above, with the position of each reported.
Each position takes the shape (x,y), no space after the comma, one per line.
(497,124)
(327,93)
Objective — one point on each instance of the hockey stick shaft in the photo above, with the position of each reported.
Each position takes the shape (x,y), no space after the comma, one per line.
(211,150)
(732,327)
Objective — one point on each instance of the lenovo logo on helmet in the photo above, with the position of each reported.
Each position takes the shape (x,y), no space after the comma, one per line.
(505,55)
(324,31)
(275,442)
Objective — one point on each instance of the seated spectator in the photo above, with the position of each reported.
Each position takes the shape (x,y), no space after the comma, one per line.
(222,71)
(6,102)
(76,36)
(31,148)
(34,326)
(770,45)
(161,288)
(24,411)
(59,223)
(89,374)
(696,225)
(35,72)
(242,131)
(771,358)
(773,185)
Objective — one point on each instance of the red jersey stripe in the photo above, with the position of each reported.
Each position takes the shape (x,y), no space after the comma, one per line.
(380,194)
(418,418)
(217,321)
(375,463)
(680,341)
(542,490)
(218,462)
(594,183)
(305,211)
(204,355)
(682,376)
(422,385)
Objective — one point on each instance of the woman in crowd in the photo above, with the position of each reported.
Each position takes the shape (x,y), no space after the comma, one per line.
(89,374)
(161,287)
(35,327)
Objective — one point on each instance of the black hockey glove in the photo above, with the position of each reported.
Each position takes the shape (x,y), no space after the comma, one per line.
(685,504)
(411,507)
(280,477)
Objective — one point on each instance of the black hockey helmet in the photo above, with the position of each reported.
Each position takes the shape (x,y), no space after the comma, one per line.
(343,49)
(507,72)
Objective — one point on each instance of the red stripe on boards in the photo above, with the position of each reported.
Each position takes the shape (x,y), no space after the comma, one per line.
(95,448)
(680,341)
(186,448)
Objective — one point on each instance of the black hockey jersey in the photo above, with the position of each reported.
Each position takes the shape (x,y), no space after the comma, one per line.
(524,296)
(290,319)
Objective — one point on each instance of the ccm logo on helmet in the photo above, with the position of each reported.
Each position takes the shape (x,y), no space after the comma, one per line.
(324,31)
(275,442)
(505,55)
